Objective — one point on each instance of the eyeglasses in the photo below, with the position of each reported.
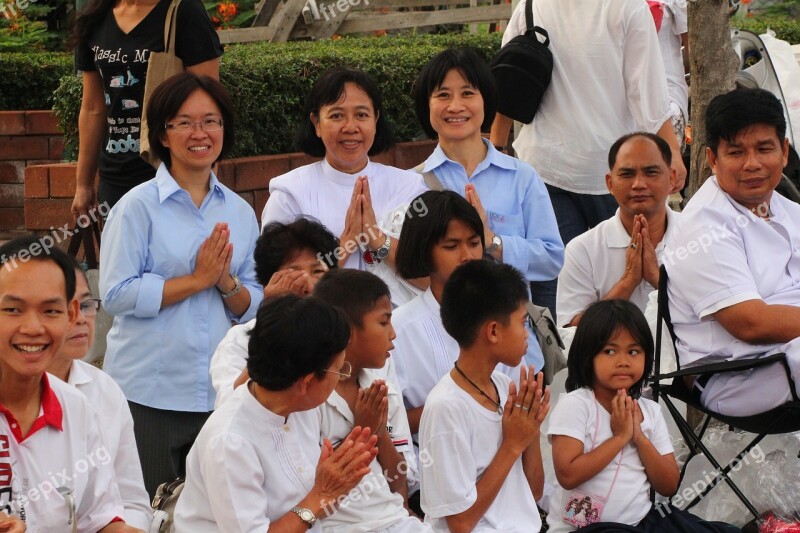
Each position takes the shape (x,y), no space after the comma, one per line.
(185,126)
(345,372)
(90,306)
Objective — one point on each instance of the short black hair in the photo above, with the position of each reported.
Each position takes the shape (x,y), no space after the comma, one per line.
(424,228)
(294,337)
(280,242)
(730,113)
(167,99)
(356,292)
(329,89)
(479,291)
(472,67)
(661,144)
(33,248)
(599,323)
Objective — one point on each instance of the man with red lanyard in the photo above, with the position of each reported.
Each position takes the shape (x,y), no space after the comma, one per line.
(55,472)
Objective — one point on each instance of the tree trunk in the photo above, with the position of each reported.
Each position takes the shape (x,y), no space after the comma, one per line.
(713,65)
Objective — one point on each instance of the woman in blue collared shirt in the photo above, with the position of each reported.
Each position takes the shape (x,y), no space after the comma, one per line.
(177,270)
(455,98)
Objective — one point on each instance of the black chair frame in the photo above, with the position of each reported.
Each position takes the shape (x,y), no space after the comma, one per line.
(779,420)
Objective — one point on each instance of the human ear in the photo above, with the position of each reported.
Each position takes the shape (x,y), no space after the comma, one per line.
(315,121)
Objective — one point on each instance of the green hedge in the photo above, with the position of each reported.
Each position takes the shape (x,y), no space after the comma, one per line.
(269,82)
(27,80)
(785,28)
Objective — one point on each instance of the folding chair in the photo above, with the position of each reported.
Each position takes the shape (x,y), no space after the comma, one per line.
(779,420)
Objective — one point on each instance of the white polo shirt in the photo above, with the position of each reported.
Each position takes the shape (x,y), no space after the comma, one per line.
(116,425)
(460,439)
(720,255)
(247,468)
(608,80)
(63,450)
(230,359)
(594,262)
(370,506)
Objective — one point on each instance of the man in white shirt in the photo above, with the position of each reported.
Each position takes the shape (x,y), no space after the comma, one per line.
(734,259)
(608,80)
(55,470)
(619,258)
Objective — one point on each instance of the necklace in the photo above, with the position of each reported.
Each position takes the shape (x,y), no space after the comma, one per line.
(495,403)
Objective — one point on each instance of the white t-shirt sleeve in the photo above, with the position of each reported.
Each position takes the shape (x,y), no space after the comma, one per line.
(658,432)
(401,435)
(234,483)
(516,24)
(449,477)
(570,417)
(576,290)
(281,205)
(229,360)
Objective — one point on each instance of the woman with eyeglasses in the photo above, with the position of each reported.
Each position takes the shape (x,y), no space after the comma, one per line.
(109,404)
(178,269)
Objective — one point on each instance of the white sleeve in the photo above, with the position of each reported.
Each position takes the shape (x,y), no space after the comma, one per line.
(449,474)
(281,206)
(401,436)
(643,72)
(101,503)
(234,481)
(576,290)
(516,24)
(570,418)
(229,360)
(658,432)
(128,470)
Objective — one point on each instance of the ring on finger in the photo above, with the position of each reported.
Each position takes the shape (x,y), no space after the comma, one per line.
(526,409)
(633,245)
(518,405)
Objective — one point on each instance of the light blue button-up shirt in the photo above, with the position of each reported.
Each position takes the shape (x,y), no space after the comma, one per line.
(160,357)
(518,209)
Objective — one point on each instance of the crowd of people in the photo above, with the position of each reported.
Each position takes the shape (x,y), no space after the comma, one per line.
(364,361)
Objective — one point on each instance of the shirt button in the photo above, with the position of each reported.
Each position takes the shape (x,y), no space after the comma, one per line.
(300,469)
(14,426)
(286,429)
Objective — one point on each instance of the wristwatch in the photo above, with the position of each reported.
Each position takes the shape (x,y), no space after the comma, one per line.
(383,252)
(305,515)
(235,290)
(497,242)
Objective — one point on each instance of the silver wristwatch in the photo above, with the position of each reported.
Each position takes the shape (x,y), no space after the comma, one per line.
(383,252)
(305,515)
(497,242)
(235,290)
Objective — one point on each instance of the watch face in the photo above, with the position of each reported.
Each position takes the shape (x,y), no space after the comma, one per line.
(382,252)
(307,515)
(496,242)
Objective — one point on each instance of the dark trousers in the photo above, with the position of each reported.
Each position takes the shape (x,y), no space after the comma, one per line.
(164,439)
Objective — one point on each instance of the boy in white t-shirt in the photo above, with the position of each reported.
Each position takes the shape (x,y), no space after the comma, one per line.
(481,434)
(55,470)
(364,397)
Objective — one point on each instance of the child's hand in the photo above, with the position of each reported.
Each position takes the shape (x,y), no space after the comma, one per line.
(622,416)
(638,418)
(525,411)
(11,524)
(372,407)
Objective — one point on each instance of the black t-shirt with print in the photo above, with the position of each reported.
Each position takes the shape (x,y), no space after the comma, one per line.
(121,60)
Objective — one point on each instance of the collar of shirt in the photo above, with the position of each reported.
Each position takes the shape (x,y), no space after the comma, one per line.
(617,236)
(78,375)
(260,412)
(50,413)
(344,178)
(430,301)
(167,186)
(493,157)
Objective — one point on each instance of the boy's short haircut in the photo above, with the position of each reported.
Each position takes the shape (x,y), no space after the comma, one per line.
(422,230)
(479,291)
(294,337)
(279,242)
(33,248)
(355,292)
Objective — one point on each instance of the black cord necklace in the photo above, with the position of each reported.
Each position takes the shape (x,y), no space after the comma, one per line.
(495,403)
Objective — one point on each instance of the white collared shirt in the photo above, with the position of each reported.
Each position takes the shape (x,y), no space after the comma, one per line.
(608,80)
(116,425)
(63,450)
(722,254)
(371,506)
(320,192)
(247,468)
(595,262)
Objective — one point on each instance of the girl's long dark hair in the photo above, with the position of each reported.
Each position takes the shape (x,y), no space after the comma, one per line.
(88,19)
(598,324)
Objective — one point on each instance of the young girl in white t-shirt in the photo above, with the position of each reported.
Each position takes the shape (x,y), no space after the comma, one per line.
(610,446)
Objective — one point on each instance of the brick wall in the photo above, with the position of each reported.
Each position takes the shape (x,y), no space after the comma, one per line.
(26,138)
(49,187)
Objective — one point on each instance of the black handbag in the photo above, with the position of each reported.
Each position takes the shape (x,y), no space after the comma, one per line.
(522,70)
